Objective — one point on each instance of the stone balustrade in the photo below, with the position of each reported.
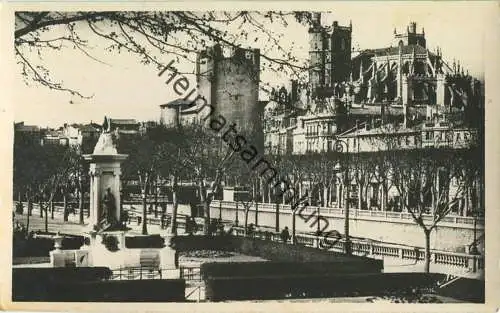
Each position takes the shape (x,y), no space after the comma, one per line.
(472,263)
(404,217)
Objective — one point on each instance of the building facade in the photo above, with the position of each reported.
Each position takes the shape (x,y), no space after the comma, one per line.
(404,83)
(228,81)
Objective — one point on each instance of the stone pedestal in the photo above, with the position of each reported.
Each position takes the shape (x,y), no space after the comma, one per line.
(167,254)
(108,249)
(105,171)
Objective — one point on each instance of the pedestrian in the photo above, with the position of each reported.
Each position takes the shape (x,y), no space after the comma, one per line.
(285,235)
(163,217)
(189,225)
(250,230)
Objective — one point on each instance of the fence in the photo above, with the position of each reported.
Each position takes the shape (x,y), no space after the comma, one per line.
(472,263)
(188,273)
(355,213)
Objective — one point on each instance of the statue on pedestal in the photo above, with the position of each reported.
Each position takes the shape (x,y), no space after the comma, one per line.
(108,219)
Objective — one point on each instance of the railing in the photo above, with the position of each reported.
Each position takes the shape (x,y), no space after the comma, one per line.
(474,263)
(190,273)
(356,213)
(135,273)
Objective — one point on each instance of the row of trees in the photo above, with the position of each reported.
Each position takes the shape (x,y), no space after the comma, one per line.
(43,173)
(424,179)
(428,183)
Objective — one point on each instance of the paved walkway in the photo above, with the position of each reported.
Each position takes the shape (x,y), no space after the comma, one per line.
(72,226)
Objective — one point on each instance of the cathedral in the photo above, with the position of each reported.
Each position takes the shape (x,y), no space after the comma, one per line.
(403,83)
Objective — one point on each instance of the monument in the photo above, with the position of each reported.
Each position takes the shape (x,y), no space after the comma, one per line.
(105,171)
(106,233)
(106,230)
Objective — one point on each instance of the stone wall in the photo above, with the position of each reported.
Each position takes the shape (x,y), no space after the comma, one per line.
(446,237)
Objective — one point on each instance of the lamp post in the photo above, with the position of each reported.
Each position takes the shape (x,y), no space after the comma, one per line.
(473,249)
(339,147)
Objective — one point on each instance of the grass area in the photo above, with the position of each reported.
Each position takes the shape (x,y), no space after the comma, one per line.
(30,260)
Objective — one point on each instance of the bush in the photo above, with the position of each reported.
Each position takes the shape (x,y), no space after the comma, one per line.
(24,247)
(152,241)
(19,208)
(259,269)
(90,284)
(319,286)
(35,284)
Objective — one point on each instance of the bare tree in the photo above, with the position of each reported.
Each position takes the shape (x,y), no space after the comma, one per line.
(148,35)
(205,158)
(429,185)
(145,152)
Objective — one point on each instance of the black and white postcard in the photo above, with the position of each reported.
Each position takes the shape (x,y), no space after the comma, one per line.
(198,155)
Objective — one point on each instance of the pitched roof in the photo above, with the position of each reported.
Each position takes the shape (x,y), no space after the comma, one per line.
(89,128)
(27,128)
(393,51)
(123,121)
(183,103)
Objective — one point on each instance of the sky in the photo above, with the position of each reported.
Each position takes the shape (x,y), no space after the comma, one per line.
(123,88)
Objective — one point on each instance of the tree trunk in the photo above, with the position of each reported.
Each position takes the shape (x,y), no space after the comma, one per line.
(256,213)
(156,197)
(325,196)
(277,216)
(65,208)
(360,196)
(40,206)
(80,201)
(144,213)
(427,263)
(173,229)
(46,219)
(51,209)
(262,192)
(246,219)
(293,227)
(83,202)
(206,208)
(385,191)
(28,215)
(30,203)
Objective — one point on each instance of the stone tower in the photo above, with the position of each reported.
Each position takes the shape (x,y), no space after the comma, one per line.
(228,78)
(329,53)
(410,37)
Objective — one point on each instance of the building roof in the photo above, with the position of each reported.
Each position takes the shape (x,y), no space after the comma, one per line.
(27,128)
(386,129)
(117,121)
(89,128)
(387,51)
(183,103)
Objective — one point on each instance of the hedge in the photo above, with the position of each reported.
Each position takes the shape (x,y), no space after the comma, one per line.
(318,286)
(154,290)
(42,246)
(152,241)
(34,284)
(191,243)
(247,269)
